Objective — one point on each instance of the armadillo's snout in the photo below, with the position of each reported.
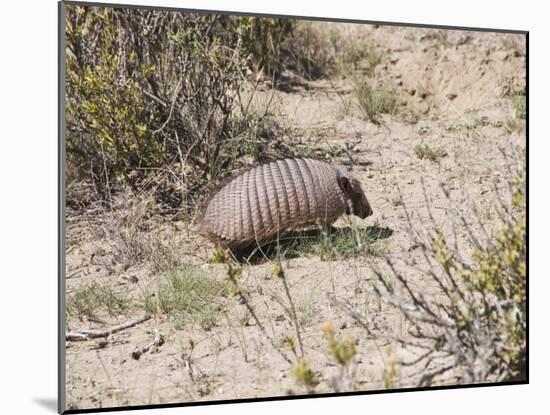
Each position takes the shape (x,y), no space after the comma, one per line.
(364,210)
(361,206)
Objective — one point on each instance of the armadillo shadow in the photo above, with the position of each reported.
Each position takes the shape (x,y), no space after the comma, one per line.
(330,243)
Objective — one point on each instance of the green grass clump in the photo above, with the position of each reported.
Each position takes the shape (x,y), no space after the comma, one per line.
(373,102)
(342,350)
(343,243)
(513,125)
(434,154)
(303,374)
(93,299)
(358,55)
(187,295)
(442,39)
(520,107)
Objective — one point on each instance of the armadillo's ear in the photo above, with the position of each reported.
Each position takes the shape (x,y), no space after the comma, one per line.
(344,183)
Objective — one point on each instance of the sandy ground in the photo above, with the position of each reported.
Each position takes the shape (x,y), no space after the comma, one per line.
(454,89)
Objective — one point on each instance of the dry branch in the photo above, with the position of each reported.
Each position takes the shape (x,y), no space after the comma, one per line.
(79,335)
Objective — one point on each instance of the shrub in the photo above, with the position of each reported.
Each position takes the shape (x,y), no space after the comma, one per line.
(316,49)
(162,91)
(474,326)
(311,50)
(263,40)
(304,375)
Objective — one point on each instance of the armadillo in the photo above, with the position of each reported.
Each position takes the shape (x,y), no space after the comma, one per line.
(278,196)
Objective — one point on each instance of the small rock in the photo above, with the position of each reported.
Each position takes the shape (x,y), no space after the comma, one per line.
(451,96)
(464,40)
(502,55)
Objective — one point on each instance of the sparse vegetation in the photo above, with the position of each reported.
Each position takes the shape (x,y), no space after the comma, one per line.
(442,38)
(316,50)
(478,321)
(375,101)
(390,373)
(91,300)
(520,107)
(307,309)
(187,295)
(435,154)
(513,125)
(340,243)
(304,375)
(342,351)
(517,94)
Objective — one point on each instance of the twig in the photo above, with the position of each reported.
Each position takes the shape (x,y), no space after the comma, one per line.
(176,93)
(282,276)
(94,334)
(150,95)
(244,300)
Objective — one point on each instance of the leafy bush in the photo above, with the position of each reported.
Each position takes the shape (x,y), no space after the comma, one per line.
(263,40)
(162,91)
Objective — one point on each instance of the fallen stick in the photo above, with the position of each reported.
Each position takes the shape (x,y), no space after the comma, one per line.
(80,335)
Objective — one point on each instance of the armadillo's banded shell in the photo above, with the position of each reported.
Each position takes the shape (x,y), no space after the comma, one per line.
(271,198)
